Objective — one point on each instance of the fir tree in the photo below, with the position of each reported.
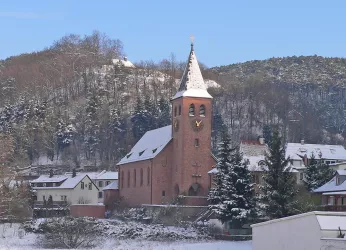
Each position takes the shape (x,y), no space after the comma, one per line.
(267,133)
(164,116)
(218,126)
(311,173)
(279,183)
(232,198)
(317,173)
(139,121)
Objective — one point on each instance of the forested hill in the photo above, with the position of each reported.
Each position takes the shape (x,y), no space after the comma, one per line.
(304,96)
(71,105)
(316,70)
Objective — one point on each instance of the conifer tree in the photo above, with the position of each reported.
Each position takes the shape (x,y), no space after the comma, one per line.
(317,173)
(279,188)
(164,116)
(311,174)
(232,198)
(139,121)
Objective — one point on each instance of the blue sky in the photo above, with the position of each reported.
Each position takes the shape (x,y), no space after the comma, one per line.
(225,31)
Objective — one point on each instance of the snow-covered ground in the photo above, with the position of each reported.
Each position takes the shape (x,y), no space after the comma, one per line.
(14,238)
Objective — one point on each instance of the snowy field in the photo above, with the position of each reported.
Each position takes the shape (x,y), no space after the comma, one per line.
(14,238)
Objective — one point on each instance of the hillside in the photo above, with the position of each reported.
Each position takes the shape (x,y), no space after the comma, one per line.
(71,105)
(304,96)
(300,70)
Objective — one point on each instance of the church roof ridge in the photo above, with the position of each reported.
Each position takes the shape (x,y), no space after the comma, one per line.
(192,83)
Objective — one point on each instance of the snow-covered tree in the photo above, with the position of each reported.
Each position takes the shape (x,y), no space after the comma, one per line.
(317,173)
(279,187)
(232,197)
(164,117)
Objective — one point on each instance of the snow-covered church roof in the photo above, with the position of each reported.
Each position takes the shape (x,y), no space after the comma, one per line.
(150,145)
(192,83)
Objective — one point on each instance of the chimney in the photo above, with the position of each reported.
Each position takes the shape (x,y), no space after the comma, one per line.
(302,142)
(74,173)
(261,140)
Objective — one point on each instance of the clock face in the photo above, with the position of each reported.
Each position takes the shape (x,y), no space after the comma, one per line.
(197,124)
(176,125)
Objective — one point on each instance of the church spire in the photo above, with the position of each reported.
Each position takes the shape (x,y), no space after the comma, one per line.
(192,83)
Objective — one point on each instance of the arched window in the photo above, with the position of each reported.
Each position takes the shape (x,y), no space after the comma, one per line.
(148,175)
(192,110)
(202,110)
(122,179)
(128,178)
(141,177)
(179,109)
(134,177)
(175,111)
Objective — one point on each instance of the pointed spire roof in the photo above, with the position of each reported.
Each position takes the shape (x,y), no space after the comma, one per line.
(192,83)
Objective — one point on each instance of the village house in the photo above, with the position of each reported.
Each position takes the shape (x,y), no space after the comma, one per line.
(64,190)
(103,179)
(174,160)
(333,193)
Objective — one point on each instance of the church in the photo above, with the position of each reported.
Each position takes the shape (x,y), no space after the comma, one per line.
(174,160)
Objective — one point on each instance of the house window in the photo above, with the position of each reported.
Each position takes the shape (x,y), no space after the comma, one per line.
(100,195)
(101,184)
(108,182)
(141,177)
(44,197)
(337,180)
(82,185)
(196,143)
(163,193)
(148,175)
(202,110)
(122,179)
(63,197)
(90,186)
(331,200)
(128,178)
(192,109)
(175,111)
(134,177)
(179,109)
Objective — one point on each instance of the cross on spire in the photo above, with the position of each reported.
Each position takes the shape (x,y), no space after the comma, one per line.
(192,38)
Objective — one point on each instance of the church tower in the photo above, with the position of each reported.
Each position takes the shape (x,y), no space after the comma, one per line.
(191,132)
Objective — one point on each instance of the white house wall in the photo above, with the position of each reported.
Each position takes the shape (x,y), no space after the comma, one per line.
(85,194)
(301,233)
(74,196)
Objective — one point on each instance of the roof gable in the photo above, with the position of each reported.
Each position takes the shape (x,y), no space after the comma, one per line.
(150,145)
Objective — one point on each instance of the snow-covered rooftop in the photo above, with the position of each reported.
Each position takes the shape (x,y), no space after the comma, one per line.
(72,182)
(331,185)
(112,186)
(253,148)
(46,178)
(192,83)
(150,145)
(103,175)
(297,150)
(126,63)
(69,182)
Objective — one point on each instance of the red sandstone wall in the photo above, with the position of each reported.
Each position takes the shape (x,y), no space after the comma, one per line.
(185,153)
(135,195)
(162,175)
(97,211)
(110,198)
